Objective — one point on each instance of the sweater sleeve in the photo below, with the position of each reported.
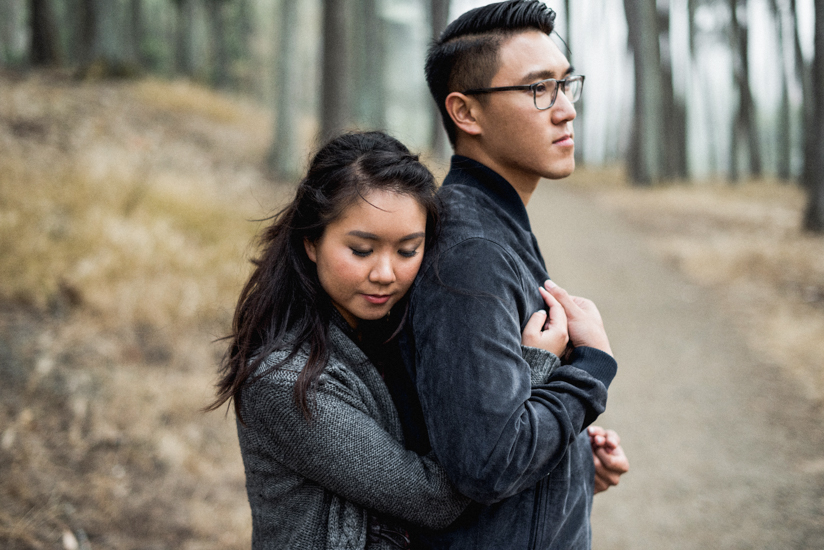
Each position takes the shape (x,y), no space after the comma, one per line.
(344,450)
(495,430)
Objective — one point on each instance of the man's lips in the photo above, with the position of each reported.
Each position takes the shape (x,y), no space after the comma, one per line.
(377,299)
(564,140)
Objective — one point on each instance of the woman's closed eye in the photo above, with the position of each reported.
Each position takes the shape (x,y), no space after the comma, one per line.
(360,252)
(408,253)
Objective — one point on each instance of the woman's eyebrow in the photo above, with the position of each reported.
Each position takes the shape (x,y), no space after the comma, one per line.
(373,237)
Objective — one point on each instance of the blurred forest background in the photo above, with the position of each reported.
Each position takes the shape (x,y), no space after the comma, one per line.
(139,137)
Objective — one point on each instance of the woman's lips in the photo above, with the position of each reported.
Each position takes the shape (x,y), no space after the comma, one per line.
(377,299)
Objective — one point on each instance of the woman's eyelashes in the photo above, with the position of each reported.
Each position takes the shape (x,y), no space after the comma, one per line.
(363,253)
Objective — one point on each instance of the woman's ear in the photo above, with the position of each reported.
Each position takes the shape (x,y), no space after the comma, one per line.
(463,111)
(310,249)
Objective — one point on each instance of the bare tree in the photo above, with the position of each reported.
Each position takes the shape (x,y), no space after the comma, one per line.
(368,46)
(438,19)
(8,30)
(184,46)
(284,160)
(645,148)
(674,160)
(137,28)
(807,128)
(814,159)
(335,86)
(784,126)
(216,10)
(744,126)
(44,40)
(87,31)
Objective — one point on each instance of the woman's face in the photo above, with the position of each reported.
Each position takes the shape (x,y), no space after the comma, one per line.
(368,257)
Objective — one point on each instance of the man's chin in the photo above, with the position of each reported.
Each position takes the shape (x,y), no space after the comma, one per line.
(561,172)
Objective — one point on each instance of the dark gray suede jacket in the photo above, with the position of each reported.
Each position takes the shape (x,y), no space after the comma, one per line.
(519,450)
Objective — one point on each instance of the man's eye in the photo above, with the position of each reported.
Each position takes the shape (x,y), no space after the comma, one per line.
(540,88)
(361,253)
(408,253)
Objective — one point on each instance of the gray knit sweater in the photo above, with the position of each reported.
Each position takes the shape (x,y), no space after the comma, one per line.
(324,483)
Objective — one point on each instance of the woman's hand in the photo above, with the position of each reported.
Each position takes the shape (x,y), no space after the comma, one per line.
(547,331)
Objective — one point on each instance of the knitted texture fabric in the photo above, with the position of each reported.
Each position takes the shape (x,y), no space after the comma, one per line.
(321,483)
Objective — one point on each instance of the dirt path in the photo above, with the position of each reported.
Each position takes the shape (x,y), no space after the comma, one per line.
(725,452)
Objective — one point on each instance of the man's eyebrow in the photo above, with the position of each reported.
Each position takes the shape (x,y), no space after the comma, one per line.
(543,75)
(373,237)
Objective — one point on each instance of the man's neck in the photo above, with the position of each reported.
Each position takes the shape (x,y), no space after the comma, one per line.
(523,184)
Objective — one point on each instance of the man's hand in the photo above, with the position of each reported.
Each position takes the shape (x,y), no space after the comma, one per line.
(586,328)
(609,458)
(547,333)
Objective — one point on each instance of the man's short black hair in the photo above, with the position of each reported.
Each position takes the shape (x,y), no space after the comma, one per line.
(466,54)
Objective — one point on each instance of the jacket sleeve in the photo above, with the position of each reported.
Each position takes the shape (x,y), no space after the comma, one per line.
(493,431)
(346,451)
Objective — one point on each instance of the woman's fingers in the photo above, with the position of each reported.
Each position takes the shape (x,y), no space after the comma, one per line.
(557,315)
(531,335)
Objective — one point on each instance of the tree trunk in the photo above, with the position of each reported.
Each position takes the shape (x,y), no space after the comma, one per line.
(807,129)
(814,163)
(568,28)
(184,55)
(284,157)
(674,153)
(137,32)
(645,149)
(438,19)
(109,40)
(335,94)
(44,41)
(220,57)
(784,127)
(744,126)
(367,44)
(87,31)
(8,30)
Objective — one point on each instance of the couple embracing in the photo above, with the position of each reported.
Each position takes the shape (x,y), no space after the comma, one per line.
(403,372)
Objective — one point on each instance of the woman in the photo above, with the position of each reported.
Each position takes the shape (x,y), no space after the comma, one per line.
(320,437)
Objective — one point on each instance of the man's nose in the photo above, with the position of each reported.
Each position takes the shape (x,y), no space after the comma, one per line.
(563,110)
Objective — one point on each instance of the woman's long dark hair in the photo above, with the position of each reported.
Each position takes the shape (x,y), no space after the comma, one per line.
(283,305)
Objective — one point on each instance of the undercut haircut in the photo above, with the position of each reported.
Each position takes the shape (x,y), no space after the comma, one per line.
(466,54)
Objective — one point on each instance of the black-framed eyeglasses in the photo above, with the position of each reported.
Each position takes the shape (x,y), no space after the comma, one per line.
(544,92)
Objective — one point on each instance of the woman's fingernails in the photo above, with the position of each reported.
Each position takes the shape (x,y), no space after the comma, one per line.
(550,284)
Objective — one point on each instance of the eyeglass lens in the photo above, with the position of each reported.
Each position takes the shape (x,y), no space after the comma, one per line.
(545,92)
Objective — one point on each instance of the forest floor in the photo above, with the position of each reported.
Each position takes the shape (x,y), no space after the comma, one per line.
(126,215)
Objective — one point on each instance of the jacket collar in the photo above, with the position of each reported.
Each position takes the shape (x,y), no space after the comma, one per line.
(466,171)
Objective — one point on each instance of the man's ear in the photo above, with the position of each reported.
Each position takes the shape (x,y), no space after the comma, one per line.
(463,110)
(310,249)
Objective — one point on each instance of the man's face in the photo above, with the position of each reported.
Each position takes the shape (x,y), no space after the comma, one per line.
(523,143)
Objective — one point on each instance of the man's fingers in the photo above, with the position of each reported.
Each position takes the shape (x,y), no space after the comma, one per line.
(562,296)
(614,462)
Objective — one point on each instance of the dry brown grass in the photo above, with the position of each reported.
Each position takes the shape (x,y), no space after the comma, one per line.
(746,242)
(123,244)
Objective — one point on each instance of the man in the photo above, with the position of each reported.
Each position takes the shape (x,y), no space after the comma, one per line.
(522,452)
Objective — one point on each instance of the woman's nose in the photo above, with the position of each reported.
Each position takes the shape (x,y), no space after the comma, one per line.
(382,272)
